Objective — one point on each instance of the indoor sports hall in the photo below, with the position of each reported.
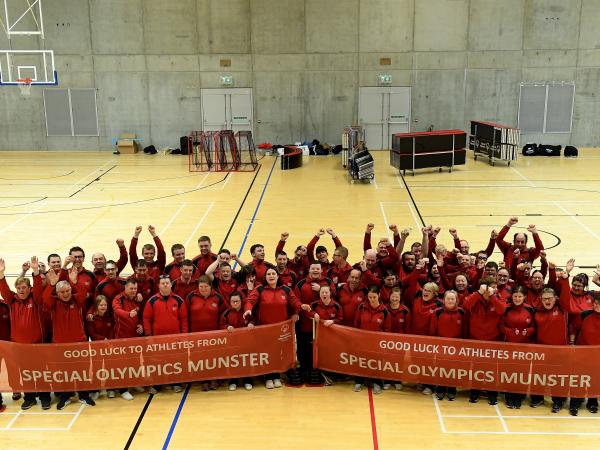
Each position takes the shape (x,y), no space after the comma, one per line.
(116,114)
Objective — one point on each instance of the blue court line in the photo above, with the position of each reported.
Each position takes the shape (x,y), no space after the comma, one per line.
(255,212)
(187,389)
(176,418)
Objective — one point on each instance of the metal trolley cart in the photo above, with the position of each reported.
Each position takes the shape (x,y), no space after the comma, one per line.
(361,166)
(351,138)
(494,141)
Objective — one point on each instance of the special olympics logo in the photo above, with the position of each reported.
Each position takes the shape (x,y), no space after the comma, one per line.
(285,335)
(285,328)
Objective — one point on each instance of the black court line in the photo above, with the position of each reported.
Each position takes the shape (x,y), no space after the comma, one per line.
(150,397)
(93,181)
(412,199)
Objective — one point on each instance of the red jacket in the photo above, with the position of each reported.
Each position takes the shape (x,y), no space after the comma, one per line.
(25,324)
(174,271)
(349,300)
(518,323)
(391,261)
(225,289)
(288,278)
(67,317)
(121,264)
(204,312)
(111,288)
(307,295)
(310,251)
(400,319)
(202,262)
(508,249)
(589,334)
(297,265)
(551,326)
(125,325)
(421,315)
(484,316)
(332,311)
(155,268)
(272,304)
(372,319)
(260,268)
(574,304)
(338,275)
(101,327)
(146,287)
(448,323)
(183,289)
(165,315)
(233,318)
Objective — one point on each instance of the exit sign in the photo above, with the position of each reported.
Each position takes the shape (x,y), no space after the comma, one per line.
(384,79)
(226,80)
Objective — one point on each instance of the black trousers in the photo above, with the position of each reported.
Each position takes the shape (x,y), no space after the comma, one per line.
(304,351)
(43,396)
(537,398)
(577,402)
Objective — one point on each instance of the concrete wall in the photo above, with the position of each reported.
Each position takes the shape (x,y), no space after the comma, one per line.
(305,60)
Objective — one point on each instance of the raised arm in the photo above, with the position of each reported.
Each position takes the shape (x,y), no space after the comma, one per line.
(367,238)
(7,293)
(503,245)
(133,256)
(489,250)
(281,244)
(161,256)
(122,262)
(402,240)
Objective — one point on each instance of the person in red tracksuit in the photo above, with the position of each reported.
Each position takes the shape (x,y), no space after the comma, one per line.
(86,280)
(551,324)
(589,334)
(146,285)
(424,305)
(372,316)
(128,312)
(340,268)
(320,253)
(26,320)
(258,262)
(99,261)
(307,291)
(400,323)
(206,256)
(271,303)
(66,303)
(286,276)
(112,285)
(232,318)
(575,299)
(299,263)
(173,269)
(185,284)
(350,295)
(390,281)
(204,308)
(387,256)
(155,267)
(448,322)
(165,313)
(485,311)
(225,284)
(517,325)
(520,243)
(102,325)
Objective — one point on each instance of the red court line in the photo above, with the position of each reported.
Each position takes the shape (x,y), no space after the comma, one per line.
(373,422)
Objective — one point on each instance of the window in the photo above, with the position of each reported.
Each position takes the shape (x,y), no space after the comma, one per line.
(71,112)
(546,107)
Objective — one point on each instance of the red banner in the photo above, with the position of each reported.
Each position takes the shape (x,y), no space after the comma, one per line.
(567,371)
(146,361)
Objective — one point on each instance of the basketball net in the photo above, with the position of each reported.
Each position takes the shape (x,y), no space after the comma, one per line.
(25,86)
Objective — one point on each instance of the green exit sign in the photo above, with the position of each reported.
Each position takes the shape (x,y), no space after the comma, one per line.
(384,79)
(226,80)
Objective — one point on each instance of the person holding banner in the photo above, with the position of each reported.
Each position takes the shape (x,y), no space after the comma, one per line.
(26,323)
(372,316)
(576,299)
(517,325)
(551,329)
(204,310)
(400,323)
(269,304)
(66,302)
(485,310)
(448,322)
(165,313)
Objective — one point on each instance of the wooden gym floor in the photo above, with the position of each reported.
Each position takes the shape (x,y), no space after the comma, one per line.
(52,201)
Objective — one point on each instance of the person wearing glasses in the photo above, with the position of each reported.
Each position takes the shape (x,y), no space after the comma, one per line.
(86,280)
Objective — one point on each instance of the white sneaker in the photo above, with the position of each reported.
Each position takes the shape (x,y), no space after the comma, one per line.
(95,395)
(357,387)
(139,389)
(376,389)
(269,384)
(127,396)
(232,387)
(386,386)
(110,394)
(328,380)
(399,386)
(277,382)
(427,391)
(248,386)
(177,388)
(152,390)
(102,393)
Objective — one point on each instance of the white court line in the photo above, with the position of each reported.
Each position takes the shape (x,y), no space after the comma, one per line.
(387,225)
(439,414)
(577,221)
(502,421)
(414,215)
(22,218)
(226,181)
(204,216)
(485,202)
(202,180)
(466,416)
(529,433)
(12,421)
(168,224)
(75,417)
(36,429)
(522,176)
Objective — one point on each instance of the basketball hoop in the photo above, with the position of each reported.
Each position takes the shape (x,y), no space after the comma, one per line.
(25,86)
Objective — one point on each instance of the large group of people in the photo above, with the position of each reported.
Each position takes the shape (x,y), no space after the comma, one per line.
(426,289)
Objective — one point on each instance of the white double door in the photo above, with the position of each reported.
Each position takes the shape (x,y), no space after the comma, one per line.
(383,111)
(227,109)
